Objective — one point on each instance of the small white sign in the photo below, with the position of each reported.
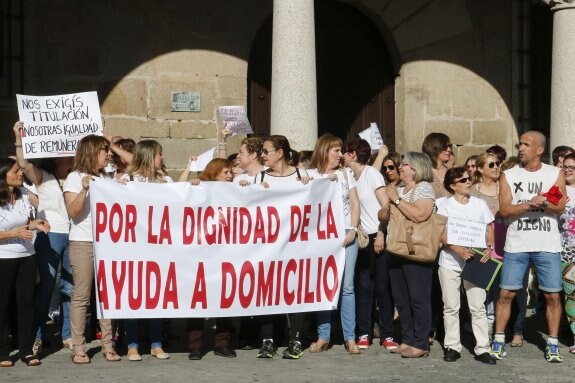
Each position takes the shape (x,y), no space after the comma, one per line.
(203,159)
(236,119)
(466,233)
(53,125)
(373,136)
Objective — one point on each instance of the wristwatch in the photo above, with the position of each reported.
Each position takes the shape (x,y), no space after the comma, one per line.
(396,202)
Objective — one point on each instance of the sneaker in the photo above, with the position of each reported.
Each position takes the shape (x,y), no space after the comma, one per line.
(389,344)
(268,349)
(363,342)
(294,350)
(552,354)
(37,347)
(498,350)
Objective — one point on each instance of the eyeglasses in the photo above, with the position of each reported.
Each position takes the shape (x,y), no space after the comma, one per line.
(568,168)
(390,167)
(463,180)
(265,151)
(105,148)
(493,164)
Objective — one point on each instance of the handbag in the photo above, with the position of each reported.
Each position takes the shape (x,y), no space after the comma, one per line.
(417,242)
(362,237)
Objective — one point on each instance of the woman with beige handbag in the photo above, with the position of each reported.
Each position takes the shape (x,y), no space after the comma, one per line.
(411,280)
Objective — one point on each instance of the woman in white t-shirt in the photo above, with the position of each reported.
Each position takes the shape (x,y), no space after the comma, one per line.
(326,162)
(372,269)
(146,166)
(52,249)
(17,262)
(92,156)
(452,259)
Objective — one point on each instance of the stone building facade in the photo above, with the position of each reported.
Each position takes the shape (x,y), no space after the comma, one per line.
(454,66)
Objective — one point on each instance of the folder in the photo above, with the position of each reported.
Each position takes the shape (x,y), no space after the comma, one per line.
(481,274)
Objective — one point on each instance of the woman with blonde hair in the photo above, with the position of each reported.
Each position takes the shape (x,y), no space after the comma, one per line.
(326,162)
(146,166)
(92,156)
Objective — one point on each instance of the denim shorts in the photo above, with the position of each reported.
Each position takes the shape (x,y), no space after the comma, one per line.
(547,265)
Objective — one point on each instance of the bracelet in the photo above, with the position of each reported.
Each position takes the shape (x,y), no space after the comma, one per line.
(18,145)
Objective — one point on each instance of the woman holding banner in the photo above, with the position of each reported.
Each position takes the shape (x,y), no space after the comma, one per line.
(452,259)
(326,162)
(218,169)
(52,249)
(281,161)
(92,156)
(146,166)
(17,262)
(372,262)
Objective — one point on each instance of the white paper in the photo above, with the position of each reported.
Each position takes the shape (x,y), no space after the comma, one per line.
(203,159)
(466,233)
(53,125)
(372,136)
(236,119)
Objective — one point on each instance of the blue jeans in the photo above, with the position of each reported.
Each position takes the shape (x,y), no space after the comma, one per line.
(547,265)
(51,250)
(155,331)
(347,308)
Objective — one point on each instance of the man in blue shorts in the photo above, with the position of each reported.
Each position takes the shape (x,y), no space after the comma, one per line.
(532,237)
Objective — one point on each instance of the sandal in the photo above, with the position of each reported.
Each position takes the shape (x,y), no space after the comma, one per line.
(111,356)
(315,347)
(515,342)
(572,349)
(80,359)
(31,361)
(352,349)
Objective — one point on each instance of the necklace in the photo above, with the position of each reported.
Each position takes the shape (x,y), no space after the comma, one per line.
(495,196)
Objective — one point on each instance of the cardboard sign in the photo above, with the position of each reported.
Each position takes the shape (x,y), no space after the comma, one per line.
(373,136)
(202,161)
(466,233)
(236,119)
(53,125)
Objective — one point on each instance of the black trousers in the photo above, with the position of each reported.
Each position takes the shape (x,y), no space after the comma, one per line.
(411,287)
(17,275)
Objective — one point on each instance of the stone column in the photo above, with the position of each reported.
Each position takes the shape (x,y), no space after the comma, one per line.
(563,74)
(294,85)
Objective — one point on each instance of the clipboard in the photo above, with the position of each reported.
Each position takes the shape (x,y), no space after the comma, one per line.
(481,274)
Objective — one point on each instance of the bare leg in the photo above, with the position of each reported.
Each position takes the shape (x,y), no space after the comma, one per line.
(503,309)
(553,314)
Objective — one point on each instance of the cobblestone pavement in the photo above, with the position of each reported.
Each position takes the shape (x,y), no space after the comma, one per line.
(525,364)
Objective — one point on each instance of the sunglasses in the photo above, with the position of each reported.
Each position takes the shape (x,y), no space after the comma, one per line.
(448,147)
(390,167)
(265,151)
(493,164)
(463,180)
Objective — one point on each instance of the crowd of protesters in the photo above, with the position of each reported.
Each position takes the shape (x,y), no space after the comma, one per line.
(46,231)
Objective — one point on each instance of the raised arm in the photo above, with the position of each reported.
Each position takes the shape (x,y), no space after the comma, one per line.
(32,172)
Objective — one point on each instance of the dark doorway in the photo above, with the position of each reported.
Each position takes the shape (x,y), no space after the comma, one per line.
(354,74)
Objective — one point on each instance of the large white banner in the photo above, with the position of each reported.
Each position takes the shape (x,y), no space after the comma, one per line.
(217,249)
(53,125)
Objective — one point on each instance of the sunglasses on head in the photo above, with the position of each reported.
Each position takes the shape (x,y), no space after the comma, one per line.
(493,164)
(389,167)
(463,180)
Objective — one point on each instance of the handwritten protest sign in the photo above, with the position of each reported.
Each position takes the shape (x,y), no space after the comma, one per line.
(216,249)
(236,119)
(373,136)
(53,125)
(466,233)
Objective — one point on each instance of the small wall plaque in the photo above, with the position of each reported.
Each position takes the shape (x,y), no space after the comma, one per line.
(185,101)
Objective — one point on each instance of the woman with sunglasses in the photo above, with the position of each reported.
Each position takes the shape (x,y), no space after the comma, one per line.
(486,180)
(567,230)
(439,149)
(92,156)
(452,258)
(390,169)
